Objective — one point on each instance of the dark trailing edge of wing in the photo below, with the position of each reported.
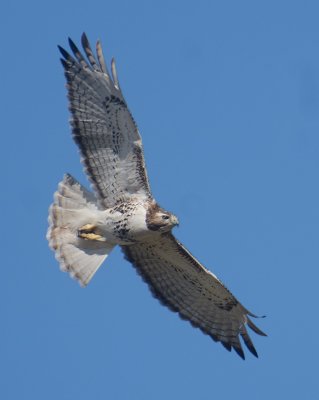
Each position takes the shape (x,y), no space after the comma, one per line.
(228,346)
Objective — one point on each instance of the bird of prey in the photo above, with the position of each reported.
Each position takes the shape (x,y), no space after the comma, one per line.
(84,227)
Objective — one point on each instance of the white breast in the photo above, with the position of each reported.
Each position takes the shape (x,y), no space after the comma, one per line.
(137,222)
(123,224)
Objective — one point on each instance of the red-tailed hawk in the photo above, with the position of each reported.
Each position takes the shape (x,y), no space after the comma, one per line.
(84,227)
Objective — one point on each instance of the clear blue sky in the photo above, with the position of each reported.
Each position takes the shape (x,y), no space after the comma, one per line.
(226,96)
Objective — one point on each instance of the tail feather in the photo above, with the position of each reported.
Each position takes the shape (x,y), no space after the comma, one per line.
(71,190)
(73,207)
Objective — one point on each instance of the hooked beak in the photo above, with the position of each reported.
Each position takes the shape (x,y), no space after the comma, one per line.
(174,220)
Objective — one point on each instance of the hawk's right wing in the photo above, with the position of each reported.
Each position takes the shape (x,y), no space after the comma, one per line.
(103,127)
(181,283)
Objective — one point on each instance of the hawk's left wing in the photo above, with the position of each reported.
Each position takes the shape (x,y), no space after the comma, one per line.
(180,282)
(103,127)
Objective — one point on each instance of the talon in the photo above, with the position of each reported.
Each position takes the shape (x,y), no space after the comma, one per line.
(87,232)
(87,228)
(92,236)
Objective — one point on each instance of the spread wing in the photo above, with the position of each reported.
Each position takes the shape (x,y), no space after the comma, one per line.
(181,283)
(103,127)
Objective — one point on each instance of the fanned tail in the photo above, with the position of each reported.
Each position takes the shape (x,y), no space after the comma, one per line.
(74,207)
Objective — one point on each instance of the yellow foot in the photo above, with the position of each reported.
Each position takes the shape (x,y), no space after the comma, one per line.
(87,227)
(88,232)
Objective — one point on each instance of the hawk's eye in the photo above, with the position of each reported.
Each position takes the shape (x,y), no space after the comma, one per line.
(165,217)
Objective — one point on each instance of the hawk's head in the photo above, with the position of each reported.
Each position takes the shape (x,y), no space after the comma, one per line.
(157,219)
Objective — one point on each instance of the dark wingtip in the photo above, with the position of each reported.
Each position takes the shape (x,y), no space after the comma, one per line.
(64,63)
(226,345)
(72,45)
(251,348)
(255,316)
(84,40)
(255,328)
(248,342)
(64,53)
(254,352)
(240,352)
(77,53)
